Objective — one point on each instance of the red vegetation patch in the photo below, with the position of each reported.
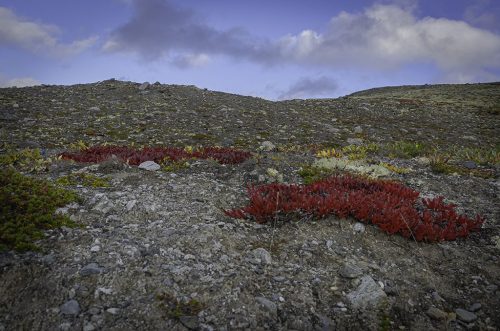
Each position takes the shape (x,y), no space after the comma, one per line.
(137,156)
(395,208)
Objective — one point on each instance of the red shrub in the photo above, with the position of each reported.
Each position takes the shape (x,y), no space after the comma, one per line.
(157,154)
(395,208)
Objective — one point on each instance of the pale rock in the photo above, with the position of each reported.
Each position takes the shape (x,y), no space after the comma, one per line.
(368,294)
(149,165)
(267,146)
(263,255)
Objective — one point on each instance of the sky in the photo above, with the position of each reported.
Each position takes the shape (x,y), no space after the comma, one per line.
(274,49)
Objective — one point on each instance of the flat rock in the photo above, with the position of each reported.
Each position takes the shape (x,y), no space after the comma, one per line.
(149,165)
(470,165)
(475,307)
(190,322)
(436,313)
(71,307)
(350,271)
(90,269)
(465,315)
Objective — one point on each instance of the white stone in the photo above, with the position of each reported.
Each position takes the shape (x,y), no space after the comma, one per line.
(267,146)
(149,165)
(358,227)
(113,311)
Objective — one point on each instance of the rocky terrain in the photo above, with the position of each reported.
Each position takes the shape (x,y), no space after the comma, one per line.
(155,251)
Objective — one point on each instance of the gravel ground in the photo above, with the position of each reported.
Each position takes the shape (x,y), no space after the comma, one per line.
(156,252)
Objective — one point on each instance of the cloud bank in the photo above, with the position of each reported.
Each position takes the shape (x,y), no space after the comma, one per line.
(158,29)
(381,37)
(35,37)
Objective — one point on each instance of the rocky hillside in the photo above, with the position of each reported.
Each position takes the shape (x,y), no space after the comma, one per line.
(153,249)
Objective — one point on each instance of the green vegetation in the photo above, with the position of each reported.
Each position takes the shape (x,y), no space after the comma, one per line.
(352,152)
(176,308)
(440,163)
(28,207)
(174,166)
(483,156)
(355,152)
(202,137)
(393,168)
(26,160)
(311,174)
(85,179)
(406,149)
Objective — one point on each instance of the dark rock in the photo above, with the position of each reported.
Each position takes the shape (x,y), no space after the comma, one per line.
(475,307)
(190,322)
(470,165)
(465,315)
(91,269)
(71,307)
(350,271)
(436,313)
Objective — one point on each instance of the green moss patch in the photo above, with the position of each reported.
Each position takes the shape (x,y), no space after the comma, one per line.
(28,207)
(84,179)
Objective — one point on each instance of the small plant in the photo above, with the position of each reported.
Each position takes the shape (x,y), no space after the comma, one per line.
(406,149)
(84,179)
(439,164)
(479,155)
(175,166)
(327,153)
(311,174)
(394,207)
(393,168)
(80,145)
(355,152)
(26,160)
(176,308)
(28,207)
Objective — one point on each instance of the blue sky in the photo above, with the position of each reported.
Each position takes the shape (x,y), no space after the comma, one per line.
(279,49)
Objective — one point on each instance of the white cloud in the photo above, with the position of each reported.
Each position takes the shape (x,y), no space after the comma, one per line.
(387,36)
(36,37)
(19,82)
